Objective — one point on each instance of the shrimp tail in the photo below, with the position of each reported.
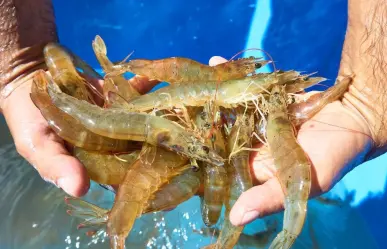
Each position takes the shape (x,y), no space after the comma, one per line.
(283,240)
(93,215)
(117,242)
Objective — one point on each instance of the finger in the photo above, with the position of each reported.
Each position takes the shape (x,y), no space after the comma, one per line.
(257,202)
(57,166)
(215,60)
(142,83)
(36,142)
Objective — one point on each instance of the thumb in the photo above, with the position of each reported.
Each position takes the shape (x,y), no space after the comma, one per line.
(215,60)
(257,202)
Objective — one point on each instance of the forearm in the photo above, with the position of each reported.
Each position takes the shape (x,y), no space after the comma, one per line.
(25,27)
(365,56)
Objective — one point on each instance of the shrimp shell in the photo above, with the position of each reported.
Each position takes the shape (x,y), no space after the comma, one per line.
(179,189)
(106,168)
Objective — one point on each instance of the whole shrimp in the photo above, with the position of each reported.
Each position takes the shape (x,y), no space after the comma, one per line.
(225,94)
(181,70)
(293,168)
(239,176)
(140,182)
(121,124)
(214,178)
(172,193)
(69,128)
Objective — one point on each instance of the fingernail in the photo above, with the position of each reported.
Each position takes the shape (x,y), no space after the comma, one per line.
(249,216)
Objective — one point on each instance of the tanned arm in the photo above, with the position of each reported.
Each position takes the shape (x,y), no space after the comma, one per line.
(365,56)
(25,27)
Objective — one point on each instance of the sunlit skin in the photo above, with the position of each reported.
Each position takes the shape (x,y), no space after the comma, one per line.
(349,132)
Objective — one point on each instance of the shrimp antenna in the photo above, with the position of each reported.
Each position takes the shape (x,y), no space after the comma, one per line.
(126,58)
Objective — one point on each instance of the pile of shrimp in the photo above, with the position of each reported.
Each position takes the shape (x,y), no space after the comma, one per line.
(191,137)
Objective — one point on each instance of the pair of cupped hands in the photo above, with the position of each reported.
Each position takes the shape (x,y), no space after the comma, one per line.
(336,140)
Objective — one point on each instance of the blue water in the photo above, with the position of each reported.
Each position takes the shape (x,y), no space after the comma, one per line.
(300,34)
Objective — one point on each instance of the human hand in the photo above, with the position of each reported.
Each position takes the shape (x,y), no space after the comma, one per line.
(336,140)
(41,146)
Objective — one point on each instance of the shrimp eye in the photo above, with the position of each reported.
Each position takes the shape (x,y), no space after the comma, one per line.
(258,65)
(206,149)
(195,168)
(191,149)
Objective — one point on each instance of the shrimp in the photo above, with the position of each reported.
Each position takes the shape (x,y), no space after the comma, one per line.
(293,168)
(64,73)
(214,177)
(69,128)
(179,189)
(139,183)
(121,124)
(106,168)
(305,110)
(228,94)
(116,84)
(181,70)
(239,176)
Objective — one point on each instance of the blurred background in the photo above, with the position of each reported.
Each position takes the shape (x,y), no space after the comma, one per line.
(302,35)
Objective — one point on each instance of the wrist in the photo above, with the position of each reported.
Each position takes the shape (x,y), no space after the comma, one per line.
(365,56)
